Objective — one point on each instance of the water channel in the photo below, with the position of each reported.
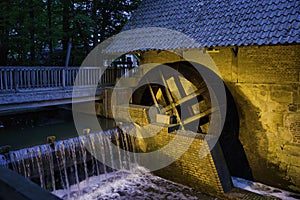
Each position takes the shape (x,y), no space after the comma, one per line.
(26,133)
(89,179)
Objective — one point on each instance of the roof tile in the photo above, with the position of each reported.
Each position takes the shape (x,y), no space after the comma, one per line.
(220,22)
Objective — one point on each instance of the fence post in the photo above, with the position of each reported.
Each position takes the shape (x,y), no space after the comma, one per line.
(11,79)
(64,77)
(5,80)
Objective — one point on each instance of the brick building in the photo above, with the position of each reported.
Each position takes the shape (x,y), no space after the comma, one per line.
(256,47)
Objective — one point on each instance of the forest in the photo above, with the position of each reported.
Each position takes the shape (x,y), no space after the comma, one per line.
(40,32)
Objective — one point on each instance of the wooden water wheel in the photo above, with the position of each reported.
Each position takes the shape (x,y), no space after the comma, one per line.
(186,95)
(182,95)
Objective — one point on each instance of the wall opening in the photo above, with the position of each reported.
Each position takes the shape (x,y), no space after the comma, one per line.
(194,116)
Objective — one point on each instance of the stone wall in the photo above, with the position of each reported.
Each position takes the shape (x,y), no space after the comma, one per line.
(264,82)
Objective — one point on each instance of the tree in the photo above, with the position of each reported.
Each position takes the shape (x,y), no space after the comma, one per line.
(5,20)
(37,32)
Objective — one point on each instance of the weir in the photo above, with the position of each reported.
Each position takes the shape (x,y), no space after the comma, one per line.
(67,162)
(71,165)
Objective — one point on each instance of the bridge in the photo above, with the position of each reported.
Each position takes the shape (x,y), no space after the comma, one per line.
(37,86)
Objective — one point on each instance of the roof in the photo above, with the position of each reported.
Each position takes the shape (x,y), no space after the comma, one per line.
(221,22)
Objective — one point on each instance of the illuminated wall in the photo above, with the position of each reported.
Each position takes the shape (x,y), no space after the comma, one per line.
(264,81)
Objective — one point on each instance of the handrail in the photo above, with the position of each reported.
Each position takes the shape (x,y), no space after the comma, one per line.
(21,78)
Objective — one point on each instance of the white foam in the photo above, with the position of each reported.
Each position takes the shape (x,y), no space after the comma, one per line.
(137,184)
(265,190)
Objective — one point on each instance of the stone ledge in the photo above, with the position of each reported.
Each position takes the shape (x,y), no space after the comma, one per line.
(15,186)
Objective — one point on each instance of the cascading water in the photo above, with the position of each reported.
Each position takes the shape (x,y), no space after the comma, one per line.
(84,154)
(3,161)
(70,169)
(67,162)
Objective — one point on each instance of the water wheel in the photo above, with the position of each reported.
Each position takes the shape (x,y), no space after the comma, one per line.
(186,96)
(180,93)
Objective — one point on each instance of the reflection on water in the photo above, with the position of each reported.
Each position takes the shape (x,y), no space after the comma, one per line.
(32,128)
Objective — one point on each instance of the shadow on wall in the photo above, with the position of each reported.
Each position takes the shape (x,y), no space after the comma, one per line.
(233,150)
(253,140)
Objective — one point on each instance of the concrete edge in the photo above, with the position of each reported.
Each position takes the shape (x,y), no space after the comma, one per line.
(15,186)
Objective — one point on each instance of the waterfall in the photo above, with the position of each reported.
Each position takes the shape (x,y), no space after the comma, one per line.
(103,156)
(3,161)
(68,162)
(49,156)
(61,163)
(84,156)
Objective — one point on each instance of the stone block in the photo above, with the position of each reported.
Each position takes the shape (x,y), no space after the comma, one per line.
(295,161)
(284,135)
(271,119)
(282,96)
(292,150)
(293,172)
(292,122)
(262,95)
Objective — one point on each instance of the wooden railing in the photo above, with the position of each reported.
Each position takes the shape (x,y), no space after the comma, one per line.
(16,79)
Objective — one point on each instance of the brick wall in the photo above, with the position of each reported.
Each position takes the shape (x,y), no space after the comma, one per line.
(133,113)
(160,57)
(208,174)
(269,64)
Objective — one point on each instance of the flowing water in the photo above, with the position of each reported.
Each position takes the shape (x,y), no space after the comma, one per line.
(69,169)
(65,162)
(138,183)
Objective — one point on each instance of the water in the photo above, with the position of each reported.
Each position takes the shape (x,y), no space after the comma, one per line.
(263,189)
(138,183)
(67,162)
(68,170)
(33,128)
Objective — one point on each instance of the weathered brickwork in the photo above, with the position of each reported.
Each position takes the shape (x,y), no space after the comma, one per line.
(269,64)
(159,57)
(266,91)
(105,107)
(225,58)
(204,174)
(132,113)
(295,131)
(264,81)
